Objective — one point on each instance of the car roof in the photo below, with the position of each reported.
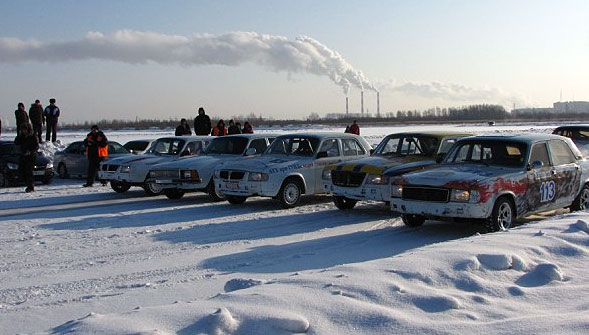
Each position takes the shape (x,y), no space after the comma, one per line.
(434,133)
(254,136)
(573,126)
(143,140)
(524,138)
(187,138)
(320,135)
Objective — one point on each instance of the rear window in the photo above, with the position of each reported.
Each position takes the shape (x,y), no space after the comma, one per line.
(399,145)
(500,153)
(136,145)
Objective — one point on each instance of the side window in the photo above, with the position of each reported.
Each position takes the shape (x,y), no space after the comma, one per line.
(270,140)
(540,153)
(258,144)
(561,153)
(446,145)
(351,147)
(462,153)
(331,147)
(191,149)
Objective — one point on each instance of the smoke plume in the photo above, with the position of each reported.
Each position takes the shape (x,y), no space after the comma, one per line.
(277,53)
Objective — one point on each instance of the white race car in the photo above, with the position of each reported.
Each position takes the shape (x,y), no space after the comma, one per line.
(196,173)
(128,171)
(292,166)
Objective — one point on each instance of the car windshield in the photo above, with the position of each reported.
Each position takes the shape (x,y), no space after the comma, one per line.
(580,134)
(9,149)
(166,146)
(298,146)
(116,148)
(227,146)
(408,145)
(500,153)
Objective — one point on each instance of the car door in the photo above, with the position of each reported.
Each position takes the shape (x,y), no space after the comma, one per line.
(329,153)
(566,172)
(542,179)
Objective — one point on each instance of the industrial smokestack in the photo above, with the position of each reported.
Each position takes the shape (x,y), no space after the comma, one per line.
(378,104)
(362,103)
(346,105)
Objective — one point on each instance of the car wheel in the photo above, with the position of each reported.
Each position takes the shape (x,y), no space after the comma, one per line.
(412,220)
(213,192)
(173,193)
(153,189)
(503,216)
(290,193)
(581,202)
(236,199)
(62,171)
(119,187)
(344,203)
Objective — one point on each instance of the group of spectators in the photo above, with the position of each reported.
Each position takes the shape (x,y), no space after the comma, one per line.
(203,126)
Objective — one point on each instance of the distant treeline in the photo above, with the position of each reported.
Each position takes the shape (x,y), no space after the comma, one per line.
(471,113)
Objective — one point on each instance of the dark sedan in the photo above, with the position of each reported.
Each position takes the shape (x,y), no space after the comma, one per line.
(9,156)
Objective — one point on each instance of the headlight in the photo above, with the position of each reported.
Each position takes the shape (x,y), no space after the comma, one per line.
(49,165)
(257,176)
(326,174)
(460,195)
(125,169)
(189,174)
(396,191)
(12,166)
(377,179)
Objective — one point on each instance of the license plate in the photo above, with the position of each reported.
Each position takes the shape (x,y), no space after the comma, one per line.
(232,186)
(163,181)
(38,173)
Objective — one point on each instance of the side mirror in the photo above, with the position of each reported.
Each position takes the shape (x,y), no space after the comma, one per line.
(322,154)
(251,151)
(535,165)
(440,157)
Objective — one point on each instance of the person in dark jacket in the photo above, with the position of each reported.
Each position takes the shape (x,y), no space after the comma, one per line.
(202,123)
(21,116)
(96,150)
(29,145)
(37,118)
(247,128)
(233,128)
(52,113)
(219,129)
(183,128)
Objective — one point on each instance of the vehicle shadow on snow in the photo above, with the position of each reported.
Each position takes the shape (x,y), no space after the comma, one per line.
(330,251)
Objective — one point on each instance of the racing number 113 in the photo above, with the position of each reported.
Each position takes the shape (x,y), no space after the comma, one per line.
(547,191)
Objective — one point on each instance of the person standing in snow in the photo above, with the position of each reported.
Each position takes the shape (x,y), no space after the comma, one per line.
(96,150)
(247,128)
(29,145)
(233,128)
(37,119)
(21,116)
(355,128)
(202,123)
(219,129)
(52,113)
(183,128)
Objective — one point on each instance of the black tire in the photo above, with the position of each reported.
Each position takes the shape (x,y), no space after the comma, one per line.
(214,195)
(153,189)
(290,193)
(581,202)
(62,171)
(344,203)
(119,187)
(236,199)
(502,217)
(173,193)
(412,220)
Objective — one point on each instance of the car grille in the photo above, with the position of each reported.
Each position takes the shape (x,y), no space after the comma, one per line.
(175,174)
(426,194)
(226,174)
(109,167)
(347,178)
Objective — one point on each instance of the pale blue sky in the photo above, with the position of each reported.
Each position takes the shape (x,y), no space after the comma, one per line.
(504,52)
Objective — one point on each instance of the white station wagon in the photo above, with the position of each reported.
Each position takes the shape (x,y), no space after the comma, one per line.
(292,166)
(128,171)
(196,173)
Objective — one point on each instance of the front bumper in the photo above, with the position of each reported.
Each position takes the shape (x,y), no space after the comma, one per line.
(243,188)
(39,175)
(182,184)
(362,193)
(440,210)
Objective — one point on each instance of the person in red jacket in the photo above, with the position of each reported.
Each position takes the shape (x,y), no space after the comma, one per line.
(355,128)
(219,129)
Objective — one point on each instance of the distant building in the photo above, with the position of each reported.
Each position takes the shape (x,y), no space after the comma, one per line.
(571,107)
(520,111)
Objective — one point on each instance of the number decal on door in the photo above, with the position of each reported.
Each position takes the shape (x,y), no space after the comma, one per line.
(547,191)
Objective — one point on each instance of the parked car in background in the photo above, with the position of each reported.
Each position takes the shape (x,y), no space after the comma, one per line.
(196,173)
(579,133)
(138,146)
(291,167)
(9,159)
(124,172)
(72,161)
(497,179)
(365,179)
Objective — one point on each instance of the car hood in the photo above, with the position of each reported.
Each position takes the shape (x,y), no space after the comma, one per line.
(194,162)
(454,176)
(140,159)
(265,163)
(378,165)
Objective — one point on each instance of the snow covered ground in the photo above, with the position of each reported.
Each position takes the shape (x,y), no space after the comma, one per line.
(91,261)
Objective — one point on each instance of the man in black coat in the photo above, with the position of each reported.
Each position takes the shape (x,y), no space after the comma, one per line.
(28,154)
(52,113)
(233,128)
(21,116)
(96,150)
(202,123)
(37,118)
(183,129)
